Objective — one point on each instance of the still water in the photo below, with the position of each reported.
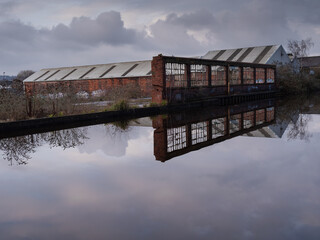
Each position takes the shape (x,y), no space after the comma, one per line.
(243,172)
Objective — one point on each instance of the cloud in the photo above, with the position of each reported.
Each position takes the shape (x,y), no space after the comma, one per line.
(107,28)
(24,46)
(141,29)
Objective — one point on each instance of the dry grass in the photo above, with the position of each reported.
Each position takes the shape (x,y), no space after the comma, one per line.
(60,101)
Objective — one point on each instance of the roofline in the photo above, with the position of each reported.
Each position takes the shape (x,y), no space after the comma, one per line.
(309,57)
(33,81)
(91,65)
(275,45)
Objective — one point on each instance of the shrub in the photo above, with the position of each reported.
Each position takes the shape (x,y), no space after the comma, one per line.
(292,82)
(122,105)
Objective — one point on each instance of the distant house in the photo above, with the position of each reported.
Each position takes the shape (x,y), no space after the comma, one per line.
(272,54)
(310,64)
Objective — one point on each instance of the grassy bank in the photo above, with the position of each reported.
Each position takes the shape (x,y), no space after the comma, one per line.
(16,106)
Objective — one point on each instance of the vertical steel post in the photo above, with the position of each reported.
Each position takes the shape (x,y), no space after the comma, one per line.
(241,76)
(227,79)
(265,74)
(188,75)
(209,75)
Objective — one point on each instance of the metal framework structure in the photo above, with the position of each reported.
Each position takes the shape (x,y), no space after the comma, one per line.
(184,79)
(174,139)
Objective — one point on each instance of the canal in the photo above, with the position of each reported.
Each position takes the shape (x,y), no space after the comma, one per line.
(249,171)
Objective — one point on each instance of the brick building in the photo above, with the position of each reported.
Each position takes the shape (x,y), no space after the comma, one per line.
(97,78)
(93,78)
(310,64)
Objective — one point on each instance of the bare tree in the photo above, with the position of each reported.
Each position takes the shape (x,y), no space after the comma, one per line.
(22,75)
(300,49)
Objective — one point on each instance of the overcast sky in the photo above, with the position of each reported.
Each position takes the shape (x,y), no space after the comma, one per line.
(37,34)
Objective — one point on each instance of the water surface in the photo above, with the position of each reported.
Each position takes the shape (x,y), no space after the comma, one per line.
(245,172)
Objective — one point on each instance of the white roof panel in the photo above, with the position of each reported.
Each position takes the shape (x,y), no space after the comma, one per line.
(78,73)
(119,70)
(253,54)
(265,59)
(62,73)
(141,70)
(48,73)
(239,54)
(98,71)
(226,54)
(210,55)
(35,75)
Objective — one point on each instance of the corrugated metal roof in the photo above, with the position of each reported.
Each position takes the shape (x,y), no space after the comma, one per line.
(265,132)
(259,54)
(111,70)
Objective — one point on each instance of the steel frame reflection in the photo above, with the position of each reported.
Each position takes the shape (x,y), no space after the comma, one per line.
(181,133)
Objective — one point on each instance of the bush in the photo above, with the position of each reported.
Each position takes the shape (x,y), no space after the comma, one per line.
(122,105)
(292,82)
(12,106)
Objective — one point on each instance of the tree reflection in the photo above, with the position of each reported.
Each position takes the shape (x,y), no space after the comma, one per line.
(293,113)
(118,127)
(299,128)
(69,138)
(19,149)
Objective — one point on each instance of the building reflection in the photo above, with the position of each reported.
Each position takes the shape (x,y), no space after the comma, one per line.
(180,133)
(174,134)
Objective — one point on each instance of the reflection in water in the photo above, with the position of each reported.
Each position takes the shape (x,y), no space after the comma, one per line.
(299,128)
(108,186)
(295,114)
(175,134)
(184,132)
(18,149)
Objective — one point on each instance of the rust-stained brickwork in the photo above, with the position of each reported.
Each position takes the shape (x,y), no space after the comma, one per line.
(91,85)
(175,80)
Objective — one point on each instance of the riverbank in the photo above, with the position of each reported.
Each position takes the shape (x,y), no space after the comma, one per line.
(17,128)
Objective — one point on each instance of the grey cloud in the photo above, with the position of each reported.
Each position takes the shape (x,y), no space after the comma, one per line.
(171,38)
(196,20)
(16,36)
(107,28)
(219,24)
(254,25)
(23,46)
(6,7)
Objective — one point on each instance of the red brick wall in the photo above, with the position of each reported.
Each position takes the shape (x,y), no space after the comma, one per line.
(91,85)
(158,79)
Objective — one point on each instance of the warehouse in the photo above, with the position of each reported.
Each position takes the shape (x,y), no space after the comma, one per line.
(93,78)
(96,78)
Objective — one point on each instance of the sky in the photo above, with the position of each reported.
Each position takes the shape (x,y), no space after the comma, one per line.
(36,34)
